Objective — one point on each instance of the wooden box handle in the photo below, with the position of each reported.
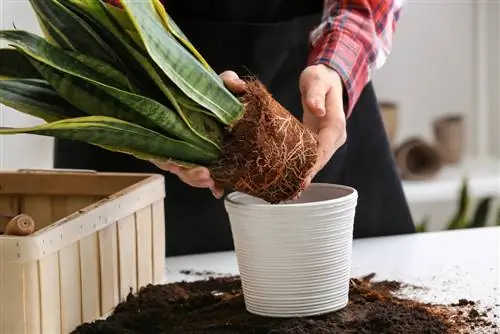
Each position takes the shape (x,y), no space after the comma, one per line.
(19,225)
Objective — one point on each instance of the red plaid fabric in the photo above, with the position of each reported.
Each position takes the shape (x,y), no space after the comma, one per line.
(355,39)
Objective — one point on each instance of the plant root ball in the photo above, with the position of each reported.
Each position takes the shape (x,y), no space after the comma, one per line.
(268,153)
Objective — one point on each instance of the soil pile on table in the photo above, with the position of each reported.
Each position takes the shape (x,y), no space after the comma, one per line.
(216,305)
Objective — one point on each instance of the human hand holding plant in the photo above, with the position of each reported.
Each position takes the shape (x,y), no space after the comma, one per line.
(321,89)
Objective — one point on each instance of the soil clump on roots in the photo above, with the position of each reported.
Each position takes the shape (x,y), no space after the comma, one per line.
(268,153)
(217,305)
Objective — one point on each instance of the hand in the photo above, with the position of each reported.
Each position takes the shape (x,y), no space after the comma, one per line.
(322,91)
(199,177)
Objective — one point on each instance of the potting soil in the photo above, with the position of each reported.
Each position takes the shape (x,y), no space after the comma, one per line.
(217,305)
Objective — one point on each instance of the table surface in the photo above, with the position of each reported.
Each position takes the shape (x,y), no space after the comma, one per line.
(449,265)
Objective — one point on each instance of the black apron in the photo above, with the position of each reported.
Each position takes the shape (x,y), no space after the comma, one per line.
(267,39)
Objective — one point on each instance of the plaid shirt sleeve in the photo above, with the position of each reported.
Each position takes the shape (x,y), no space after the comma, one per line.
(355,39)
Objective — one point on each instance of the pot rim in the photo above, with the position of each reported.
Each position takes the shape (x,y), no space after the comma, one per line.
(352,194)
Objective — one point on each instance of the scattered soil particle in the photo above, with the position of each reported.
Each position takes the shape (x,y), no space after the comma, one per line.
(464,302)
(216,305)
(206,273)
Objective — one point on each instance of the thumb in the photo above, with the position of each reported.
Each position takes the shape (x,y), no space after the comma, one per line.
(314,96)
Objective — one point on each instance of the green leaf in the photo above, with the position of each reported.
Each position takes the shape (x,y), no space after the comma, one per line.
(51,33)
(36,98)
(119,136)
(14,64)
(422,227)
(63,24)
(201,124)
(481,215)
(139,70)
(460,219)
(103,91)
(48,32)
(88,97)
(180,66)
(99,99)
(174,29)
(38,48)
(122,19)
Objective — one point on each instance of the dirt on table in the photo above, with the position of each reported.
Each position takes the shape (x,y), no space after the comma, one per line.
(216,305)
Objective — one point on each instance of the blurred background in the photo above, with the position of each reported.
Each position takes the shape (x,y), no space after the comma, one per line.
(440,99)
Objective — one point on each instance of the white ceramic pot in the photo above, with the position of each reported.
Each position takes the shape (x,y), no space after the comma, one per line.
(295,258)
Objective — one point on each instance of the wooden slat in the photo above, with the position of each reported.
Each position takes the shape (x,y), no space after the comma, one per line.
(40,208)
(32,297)
(2,302)
(158,244)
(70,261)
(12,304)
(50,294)
(71,287)
(144,230)
(108,254)
(89,273)
(90,276)
(127,256)
(67,184)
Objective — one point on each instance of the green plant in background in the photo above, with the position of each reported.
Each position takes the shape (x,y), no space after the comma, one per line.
(422,227)
(462,218)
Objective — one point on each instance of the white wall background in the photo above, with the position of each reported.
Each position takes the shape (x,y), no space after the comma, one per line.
(21,151)
(431,69)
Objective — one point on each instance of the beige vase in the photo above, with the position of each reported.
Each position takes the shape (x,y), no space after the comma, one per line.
(417,160)
(449,134)
(389,113)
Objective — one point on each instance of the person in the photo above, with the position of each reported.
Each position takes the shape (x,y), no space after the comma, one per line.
(317,58)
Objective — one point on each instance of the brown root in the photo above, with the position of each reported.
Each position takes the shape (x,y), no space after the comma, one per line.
(268,153)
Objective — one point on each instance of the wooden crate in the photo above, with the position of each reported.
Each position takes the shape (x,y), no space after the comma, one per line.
(98,236)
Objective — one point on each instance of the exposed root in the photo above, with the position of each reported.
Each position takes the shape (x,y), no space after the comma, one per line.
(268,153)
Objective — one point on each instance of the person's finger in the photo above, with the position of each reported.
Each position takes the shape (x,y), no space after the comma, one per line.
(198,177)
(335,107)
(217,192)
(196,173)
(314,92)
(331,133)
(206,183)
(191,174)
(308,180)
(297,196)
(233,81)
(164,165)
